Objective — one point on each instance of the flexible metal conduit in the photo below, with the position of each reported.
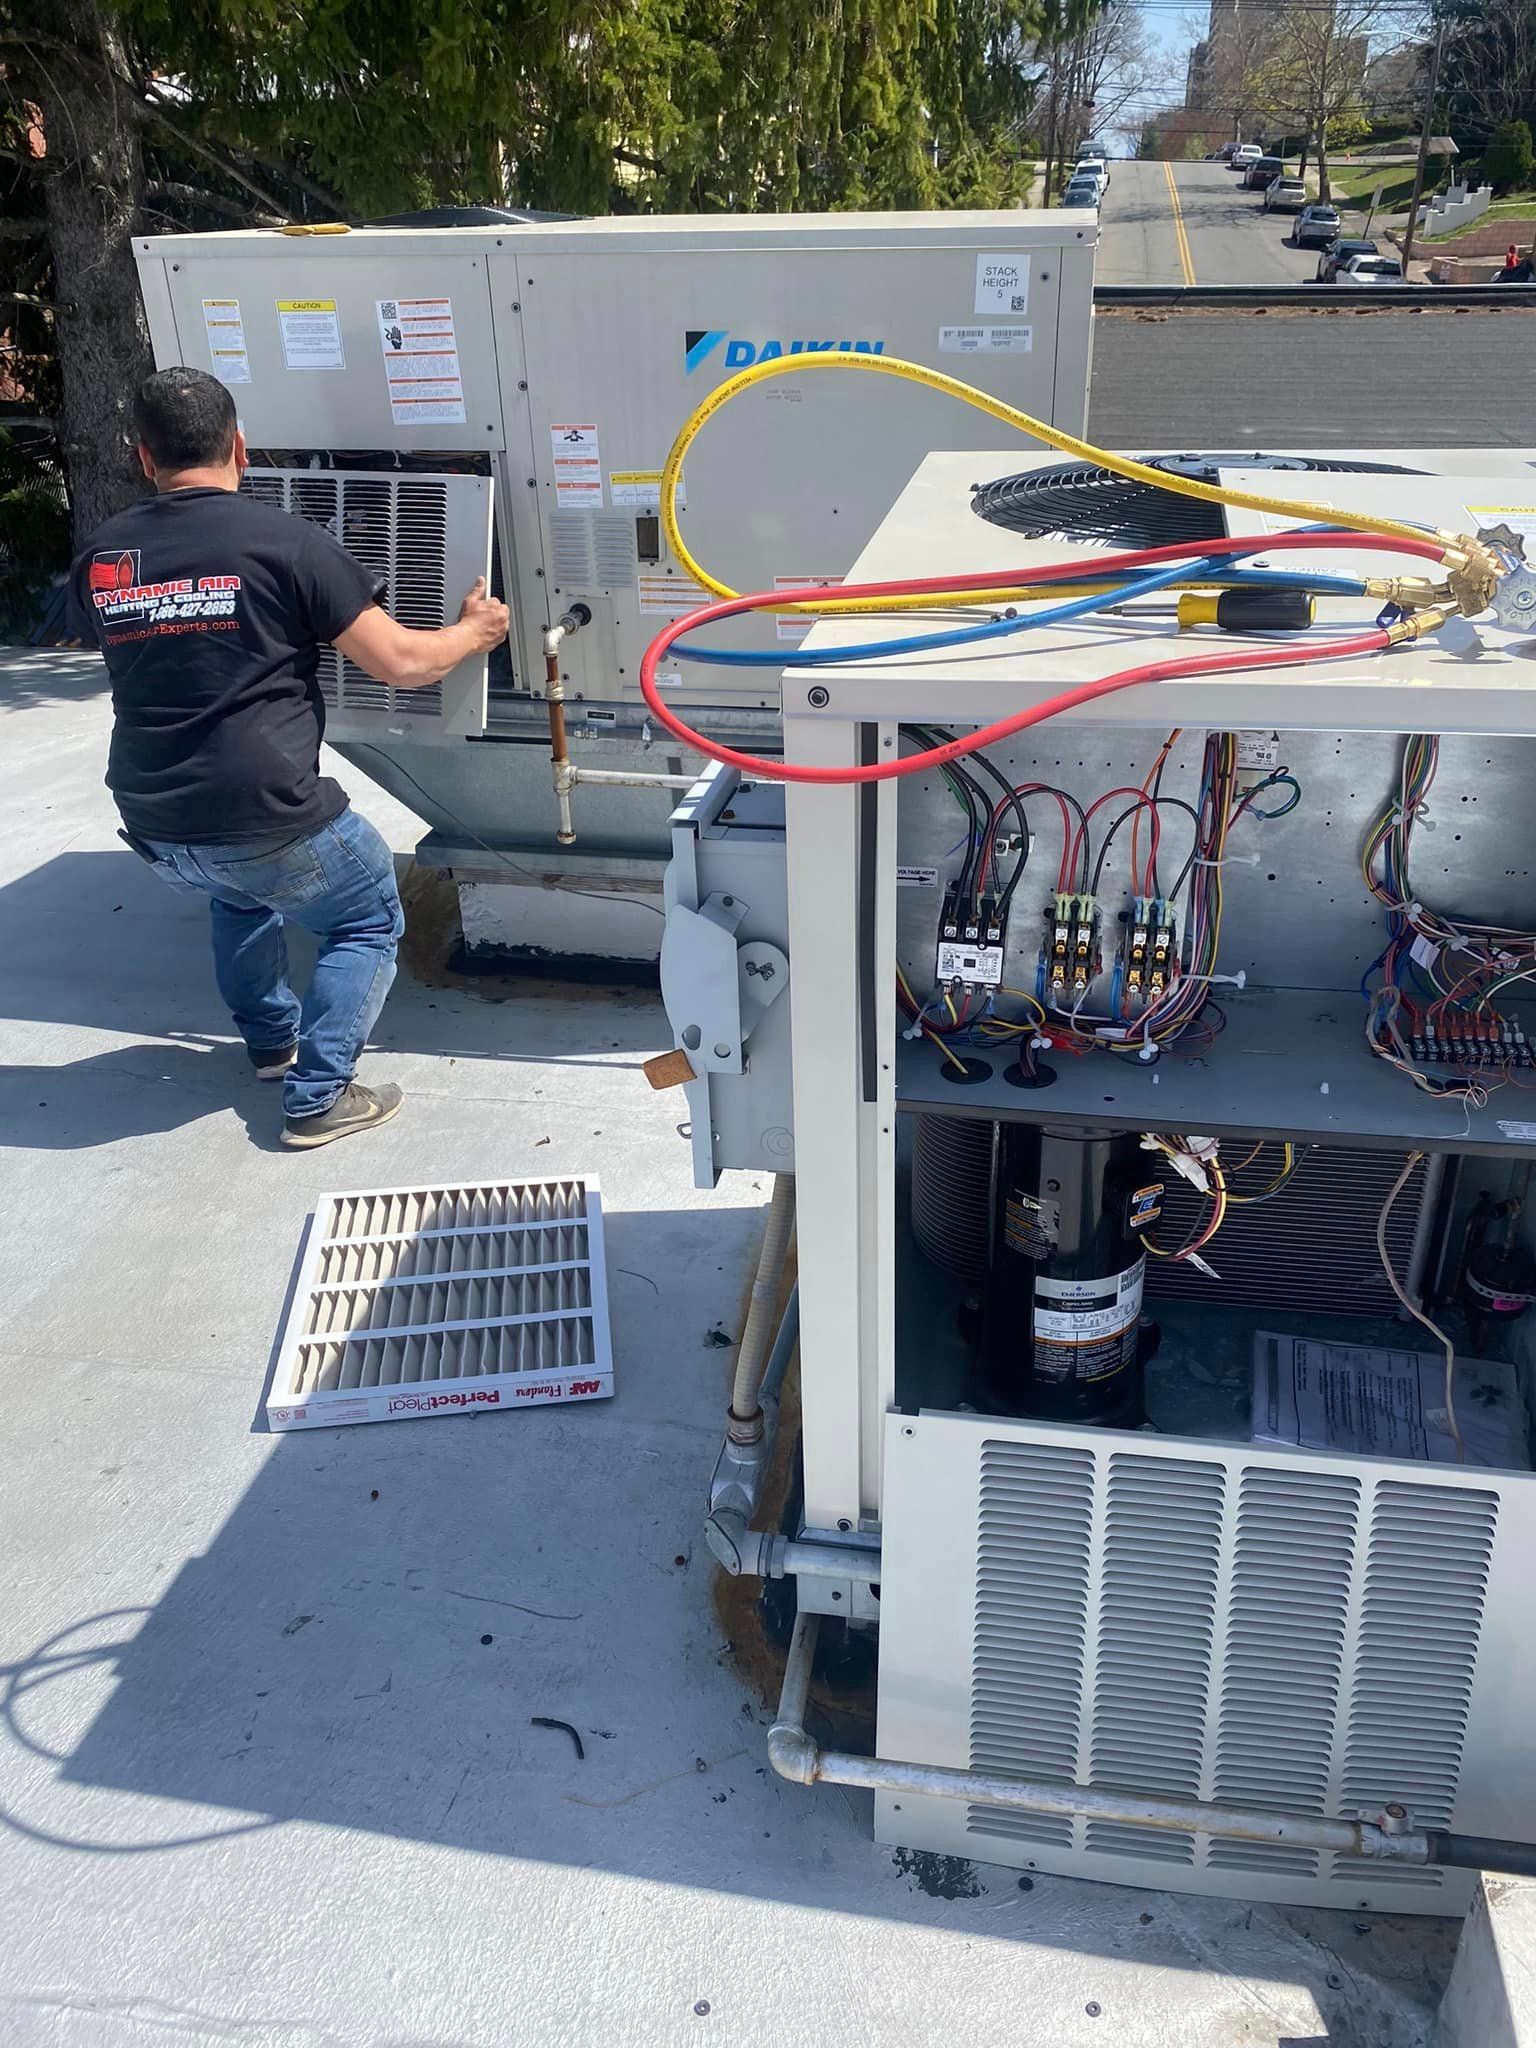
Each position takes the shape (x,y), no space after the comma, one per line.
(796,1756)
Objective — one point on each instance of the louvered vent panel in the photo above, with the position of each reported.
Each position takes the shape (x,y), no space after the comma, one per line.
(1270,1252)
(1157,1608)
(420,1290)
(1426,1574)
(570,550)
(1285,1638)
(1267,1630)
(1034,1530)
(613,548)
(398,527)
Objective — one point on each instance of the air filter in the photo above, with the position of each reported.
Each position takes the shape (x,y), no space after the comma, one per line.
(1082,501)
(444,1301)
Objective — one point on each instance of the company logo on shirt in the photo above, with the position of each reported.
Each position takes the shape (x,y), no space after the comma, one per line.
(116,570)
(119,592)
(700,343)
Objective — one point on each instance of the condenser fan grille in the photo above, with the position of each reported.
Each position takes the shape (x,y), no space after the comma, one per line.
(1084,501)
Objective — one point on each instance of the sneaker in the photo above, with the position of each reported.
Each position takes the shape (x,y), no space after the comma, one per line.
(355,1109)
(271,1061)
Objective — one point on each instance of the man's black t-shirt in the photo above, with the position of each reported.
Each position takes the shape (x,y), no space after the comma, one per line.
(210,610)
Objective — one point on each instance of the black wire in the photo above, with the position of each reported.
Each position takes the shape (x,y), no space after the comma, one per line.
(1147,802)
(1013,798)
(969,793)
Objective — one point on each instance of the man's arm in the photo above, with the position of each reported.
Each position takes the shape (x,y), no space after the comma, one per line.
(410,659)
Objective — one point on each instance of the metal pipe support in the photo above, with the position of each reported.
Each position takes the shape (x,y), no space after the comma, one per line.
(795,1755)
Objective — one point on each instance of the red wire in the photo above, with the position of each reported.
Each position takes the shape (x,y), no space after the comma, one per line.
(1068,700)
(1029,789)
(1142,799)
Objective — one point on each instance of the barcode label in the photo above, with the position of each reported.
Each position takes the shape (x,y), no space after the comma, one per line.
(984,341)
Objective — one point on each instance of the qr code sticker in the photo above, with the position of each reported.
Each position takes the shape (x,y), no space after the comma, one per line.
(1018,303)
(389,309)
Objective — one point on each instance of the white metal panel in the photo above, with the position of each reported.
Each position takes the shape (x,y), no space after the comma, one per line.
(932,529)
(444,1300)
(628,332)
(348,406)
(1303,1633)
(428,538)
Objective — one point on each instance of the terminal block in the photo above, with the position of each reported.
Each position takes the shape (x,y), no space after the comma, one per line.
(1477,1039)
(1072,955)
(972,940)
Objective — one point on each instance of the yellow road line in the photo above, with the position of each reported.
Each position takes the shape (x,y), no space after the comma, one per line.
(1186,263)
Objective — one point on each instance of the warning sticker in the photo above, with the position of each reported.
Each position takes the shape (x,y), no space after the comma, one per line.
(1002,284)
(311,330)
(671,595)
(421,361)
(1087,1329)
(795,625)
(578,464)
(1519,1134)
(1258,750)
(226,341)
(984,341)
(640,489)
(1520,519)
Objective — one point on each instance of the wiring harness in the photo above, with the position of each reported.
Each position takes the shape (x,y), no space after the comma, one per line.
(1431,1008)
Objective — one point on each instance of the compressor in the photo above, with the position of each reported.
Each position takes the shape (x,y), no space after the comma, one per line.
(1062,1331)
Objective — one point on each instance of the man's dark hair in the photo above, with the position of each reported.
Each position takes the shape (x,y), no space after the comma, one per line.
(185,418)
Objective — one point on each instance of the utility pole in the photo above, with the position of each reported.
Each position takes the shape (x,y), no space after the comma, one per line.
(1419,167)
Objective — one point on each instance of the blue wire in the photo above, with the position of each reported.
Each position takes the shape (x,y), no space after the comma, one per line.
(993,629)
(922,643)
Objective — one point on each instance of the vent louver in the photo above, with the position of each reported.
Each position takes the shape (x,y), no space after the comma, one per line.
(1219,1623)
(425,538)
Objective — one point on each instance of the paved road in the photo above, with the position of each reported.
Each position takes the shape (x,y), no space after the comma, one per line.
(1226,235)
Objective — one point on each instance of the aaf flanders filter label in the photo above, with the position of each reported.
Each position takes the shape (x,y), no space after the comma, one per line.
(578,463)
(1002,284)
(421,361)
(640,490)
(795,625)
(984,341)
(311,331)
(671,596)
(226,341)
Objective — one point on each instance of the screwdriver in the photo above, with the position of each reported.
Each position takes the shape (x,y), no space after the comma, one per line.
(1234,611)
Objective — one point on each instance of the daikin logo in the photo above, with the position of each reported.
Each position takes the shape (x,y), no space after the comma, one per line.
(701,343)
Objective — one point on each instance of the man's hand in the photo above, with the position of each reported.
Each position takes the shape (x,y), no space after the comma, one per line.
(486,617)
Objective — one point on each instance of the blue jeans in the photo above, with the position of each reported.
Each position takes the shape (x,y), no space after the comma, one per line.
(339,883)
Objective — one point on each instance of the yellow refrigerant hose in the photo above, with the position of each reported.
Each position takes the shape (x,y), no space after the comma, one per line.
(1010,416)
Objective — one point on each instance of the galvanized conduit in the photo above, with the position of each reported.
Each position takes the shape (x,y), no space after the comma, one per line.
(796,1756)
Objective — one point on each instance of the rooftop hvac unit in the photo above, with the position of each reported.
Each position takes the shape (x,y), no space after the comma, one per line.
(1111,1617)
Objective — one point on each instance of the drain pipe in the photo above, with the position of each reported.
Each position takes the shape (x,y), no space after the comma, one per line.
(570,622)
(744,1421)
(796,1755)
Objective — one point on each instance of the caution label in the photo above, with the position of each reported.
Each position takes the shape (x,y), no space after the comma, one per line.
(1086,1330)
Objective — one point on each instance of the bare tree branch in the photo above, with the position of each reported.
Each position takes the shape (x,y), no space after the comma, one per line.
(212,202)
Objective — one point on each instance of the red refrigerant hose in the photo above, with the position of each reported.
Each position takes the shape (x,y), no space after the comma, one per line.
(1081,570)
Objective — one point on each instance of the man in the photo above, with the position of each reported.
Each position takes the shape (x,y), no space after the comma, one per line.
(210,610)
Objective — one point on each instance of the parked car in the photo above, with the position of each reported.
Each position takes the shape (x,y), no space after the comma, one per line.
(1243,154)
(1081,192)
(1089,152)
(1370,271)
(1092,167)
(1316,226)
(1262,171)
(1339,252)
(1285,195)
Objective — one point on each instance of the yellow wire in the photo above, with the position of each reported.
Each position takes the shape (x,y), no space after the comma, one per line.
(996,408)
